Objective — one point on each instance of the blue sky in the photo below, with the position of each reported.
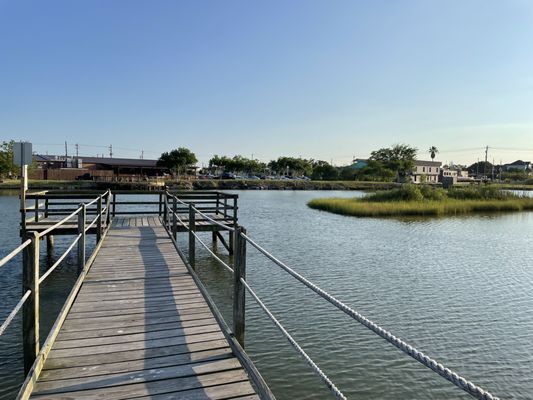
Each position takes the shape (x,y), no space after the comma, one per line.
(318,79)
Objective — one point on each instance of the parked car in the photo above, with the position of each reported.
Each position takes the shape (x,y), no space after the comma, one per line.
(227,175)
(85,177)
(253,177)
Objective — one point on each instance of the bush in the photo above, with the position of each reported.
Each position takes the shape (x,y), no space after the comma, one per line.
(408,192)
(480,193)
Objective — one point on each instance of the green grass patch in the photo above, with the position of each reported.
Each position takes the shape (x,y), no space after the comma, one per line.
(412,200)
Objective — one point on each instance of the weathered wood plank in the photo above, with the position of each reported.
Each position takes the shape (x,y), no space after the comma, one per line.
(137,365)
(135,337)
(152,388)
(129,329)
(120,356)
(112,321)
(90,382)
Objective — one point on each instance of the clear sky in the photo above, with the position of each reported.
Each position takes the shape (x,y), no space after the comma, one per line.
(318,79)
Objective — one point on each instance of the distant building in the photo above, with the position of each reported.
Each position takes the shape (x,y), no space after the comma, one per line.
(518,165)
(105,168)
(448,176)
(426,171)
(358,163)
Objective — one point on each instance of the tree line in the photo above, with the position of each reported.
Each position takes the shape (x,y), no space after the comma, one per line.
(386,164)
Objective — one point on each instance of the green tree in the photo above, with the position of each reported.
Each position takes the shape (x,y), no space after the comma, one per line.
(7,167)
(432,152)
(236,164)
(291,165)
(322,170)
(177,160)
(376,171)
(400,158)
(480,168)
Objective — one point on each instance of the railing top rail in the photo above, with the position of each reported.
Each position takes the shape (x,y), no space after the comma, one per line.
(11,255)
(59,223)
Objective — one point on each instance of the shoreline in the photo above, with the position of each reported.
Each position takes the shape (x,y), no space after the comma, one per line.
(217,184)
(205,184)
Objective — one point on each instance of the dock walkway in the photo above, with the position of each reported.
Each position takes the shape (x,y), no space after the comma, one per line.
(140,328)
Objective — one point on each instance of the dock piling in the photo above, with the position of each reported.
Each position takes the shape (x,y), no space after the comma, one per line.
(192,239)
(81,242)
(30,310)
(239,293)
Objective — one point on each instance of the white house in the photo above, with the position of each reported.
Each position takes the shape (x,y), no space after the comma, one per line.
(426,171)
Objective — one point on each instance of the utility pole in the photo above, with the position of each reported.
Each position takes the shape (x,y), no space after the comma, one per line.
(142,154)
(110,151)
(77,150)
(486,156)
(66,150)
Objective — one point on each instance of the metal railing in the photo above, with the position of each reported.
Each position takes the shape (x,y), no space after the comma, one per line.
(240,239)
(31,278)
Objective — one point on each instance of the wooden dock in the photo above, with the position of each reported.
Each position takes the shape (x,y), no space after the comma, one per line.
(141,328)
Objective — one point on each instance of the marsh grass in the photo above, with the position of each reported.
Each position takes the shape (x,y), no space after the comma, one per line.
(419,201)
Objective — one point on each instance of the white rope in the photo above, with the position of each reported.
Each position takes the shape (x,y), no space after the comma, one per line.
(41,234)
(14,252)
(213,254)
(14,312)
(51,269)
(214,221)
(440,369)
(336,392)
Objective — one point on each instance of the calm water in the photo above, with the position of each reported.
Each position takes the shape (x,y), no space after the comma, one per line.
(460,289)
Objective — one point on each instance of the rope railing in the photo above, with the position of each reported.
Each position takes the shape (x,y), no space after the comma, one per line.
(331,386)
(226,227)
(60,259)
(403,346)
(419,356)
(221,262)
(29,303)
(14,312)
(94,221)
(59,223)
(11,255)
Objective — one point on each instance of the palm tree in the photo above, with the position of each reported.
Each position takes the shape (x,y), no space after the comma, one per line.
(432,151)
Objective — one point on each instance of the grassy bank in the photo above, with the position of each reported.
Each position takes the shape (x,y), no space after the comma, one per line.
(415,201)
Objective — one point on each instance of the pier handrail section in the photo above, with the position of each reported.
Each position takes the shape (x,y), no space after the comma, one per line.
(31,278)
(172,219)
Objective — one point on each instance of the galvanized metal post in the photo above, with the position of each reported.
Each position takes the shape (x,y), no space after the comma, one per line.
(81,242)
(239,291)
(99,219)
(192,239)
(30,309)
(175,217)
